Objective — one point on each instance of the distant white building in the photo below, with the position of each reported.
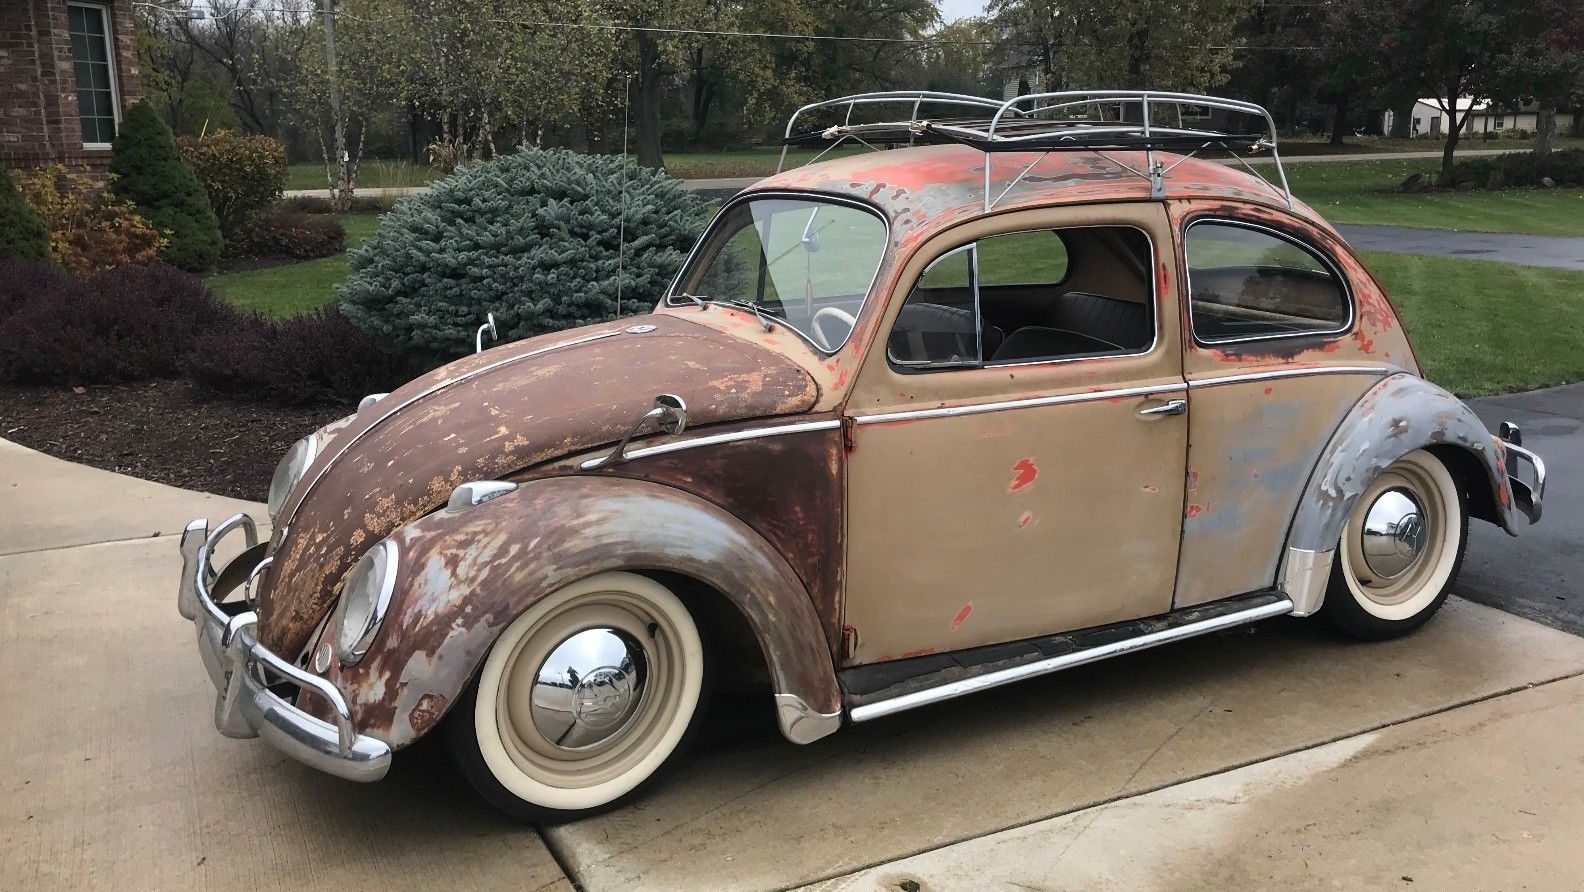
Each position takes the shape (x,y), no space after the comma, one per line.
(1483,117)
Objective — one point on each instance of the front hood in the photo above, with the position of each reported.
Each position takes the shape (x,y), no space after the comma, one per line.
(488,416)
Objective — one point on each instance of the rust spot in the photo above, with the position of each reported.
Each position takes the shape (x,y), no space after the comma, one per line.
(921,652)
(1196,510)
(1026,519)
(428,711)
(1024,474)
(962,616)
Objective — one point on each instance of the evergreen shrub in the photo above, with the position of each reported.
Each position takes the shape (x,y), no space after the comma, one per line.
(1564,167)
(146,171)
(532,237)
(23,235)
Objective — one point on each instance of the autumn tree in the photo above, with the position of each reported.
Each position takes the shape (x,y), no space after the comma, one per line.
(1544,61)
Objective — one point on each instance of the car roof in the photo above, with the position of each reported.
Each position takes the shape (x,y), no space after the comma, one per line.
(926,188)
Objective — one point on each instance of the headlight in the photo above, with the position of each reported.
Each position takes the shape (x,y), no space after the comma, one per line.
(290,470)
(364,600)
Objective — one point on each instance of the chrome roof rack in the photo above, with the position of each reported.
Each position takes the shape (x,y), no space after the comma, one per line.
(1082,120)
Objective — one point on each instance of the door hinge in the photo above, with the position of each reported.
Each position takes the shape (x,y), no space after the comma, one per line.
(849,427)
(849,642)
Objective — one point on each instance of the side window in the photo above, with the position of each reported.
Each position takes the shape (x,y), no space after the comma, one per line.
(1034,296)
(938,326)
(1251,283)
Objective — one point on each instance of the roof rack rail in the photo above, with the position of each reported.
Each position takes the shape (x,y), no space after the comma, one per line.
(1074,120)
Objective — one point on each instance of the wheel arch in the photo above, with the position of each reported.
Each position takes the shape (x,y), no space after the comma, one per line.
(464,575)
(1398,415)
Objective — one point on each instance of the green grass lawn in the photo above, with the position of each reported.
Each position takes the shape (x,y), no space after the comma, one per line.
(1361,192)
(1481,327)
(295,288)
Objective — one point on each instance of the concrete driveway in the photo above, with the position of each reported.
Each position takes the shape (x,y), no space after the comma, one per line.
(1273,756)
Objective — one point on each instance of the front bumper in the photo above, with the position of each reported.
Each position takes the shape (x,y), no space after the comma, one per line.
(249,677)
(1527,497)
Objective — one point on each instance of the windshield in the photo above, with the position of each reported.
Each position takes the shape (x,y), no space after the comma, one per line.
(803,263)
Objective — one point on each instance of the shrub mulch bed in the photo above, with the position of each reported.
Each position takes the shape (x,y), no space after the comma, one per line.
(166,431)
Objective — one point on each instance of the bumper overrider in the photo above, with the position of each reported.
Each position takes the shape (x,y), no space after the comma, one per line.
(249,678)
(1527,497)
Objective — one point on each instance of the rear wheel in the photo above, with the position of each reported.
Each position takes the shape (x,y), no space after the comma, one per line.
(583,699)
(1400,550)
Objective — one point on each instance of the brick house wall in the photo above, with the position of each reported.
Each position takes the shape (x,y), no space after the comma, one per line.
(39,122)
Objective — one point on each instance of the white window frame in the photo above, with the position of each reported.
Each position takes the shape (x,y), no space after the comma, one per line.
(110,56)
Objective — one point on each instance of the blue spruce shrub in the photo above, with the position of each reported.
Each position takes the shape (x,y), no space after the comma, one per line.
(532,237)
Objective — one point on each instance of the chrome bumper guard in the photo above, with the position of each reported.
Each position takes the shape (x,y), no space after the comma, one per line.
(245,672)
(1526,497)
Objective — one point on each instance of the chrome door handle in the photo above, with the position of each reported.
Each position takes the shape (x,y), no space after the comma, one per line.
(1170,407)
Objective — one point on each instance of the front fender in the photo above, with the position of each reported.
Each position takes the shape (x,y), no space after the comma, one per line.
(465,574)
(1400,414)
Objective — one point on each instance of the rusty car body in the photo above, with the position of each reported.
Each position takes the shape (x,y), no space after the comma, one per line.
(884,521)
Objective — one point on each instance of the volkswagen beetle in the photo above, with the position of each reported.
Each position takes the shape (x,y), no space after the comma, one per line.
(1041,389)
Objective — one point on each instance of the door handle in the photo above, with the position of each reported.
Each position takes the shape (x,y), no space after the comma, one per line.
(1170,407)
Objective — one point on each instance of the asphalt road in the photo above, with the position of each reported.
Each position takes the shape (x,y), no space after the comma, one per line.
(1562,252)
(1540,574)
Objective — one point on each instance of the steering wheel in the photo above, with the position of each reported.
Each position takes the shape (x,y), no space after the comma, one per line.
(823,336)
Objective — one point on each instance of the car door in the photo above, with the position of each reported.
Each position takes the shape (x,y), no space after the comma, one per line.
(1018,436)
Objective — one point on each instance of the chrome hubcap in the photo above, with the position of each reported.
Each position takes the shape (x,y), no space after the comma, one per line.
(1394,534)
(589,688)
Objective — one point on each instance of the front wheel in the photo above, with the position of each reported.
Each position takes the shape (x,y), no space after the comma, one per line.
(582,700)
(1400,550)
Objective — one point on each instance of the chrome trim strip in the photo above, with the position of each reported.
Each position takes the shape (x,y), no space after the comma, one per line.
(713,439)
(966,686)
(1302,244)
(1062,399)
(1381,370)
(814,198)
(428,392)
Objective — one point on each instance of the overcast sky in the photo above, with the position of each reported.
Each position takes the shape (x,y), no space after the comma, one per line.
(951,10)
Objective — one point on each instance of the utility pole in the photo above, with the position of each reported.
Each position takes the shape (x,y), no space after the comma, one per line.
(343,188)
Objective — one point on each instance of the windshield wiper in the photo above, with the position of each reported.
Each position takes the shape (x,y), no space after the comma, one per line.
(762,312)
(701,300)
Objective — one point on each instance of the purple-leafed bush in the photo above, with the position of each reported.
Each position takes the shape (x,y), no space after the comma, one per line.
(289,234)
(315,358)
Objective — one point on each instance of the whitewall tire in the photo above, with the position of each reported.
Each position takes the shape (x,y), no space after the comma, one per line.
(583,699)
(1400,550)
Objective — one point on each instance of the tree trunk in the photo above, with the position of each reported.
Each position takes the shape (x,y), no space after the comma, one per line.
(1545,128)
(1449,148)
(341,195)
(1402,120)
(648,117)
(1339,119)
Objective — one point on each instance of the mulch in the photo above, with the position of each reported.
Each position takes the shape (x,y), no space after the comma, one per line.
(166,431)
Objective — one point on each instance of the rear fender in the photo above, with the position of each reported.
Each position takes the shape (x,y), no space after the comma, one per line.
(465,574)
(1400,414)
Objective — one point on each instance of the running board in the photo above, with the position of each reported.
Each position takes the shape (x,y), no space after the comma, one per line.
(883,689)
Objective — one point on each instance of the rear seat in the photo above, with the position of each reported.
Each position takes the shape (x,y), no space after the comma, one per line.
(1122,322)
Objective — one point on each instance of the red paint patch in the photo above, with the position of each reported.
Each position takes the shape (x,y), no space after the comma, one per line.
(1196,510)
(1269,391)
(1026,519)
(841,378)
(1193,479)
(1024,473)
(962,616)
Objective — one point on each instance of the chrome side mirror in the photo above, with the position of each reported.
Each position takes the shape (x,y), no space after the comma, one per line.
(669,415)
(488,326)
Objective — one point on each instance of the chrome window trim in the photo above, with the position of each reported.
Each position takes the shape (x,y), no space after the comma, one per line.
(713,439)
(1302,244)
(427,392)
(670,299)
(1381,370)
(921,365)
(1153,303)
(1088,396)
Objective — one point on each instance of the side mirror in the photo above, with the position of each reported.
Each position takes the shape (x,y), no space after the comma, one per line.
(488,326)
(669,415)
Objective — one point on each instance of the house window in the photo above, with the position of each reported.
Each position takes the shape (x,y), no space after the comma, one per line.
(92,53)
(1501,121)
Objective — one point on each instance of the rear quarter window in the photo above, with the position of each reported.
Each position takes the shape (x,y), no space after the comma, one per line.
(1248,282)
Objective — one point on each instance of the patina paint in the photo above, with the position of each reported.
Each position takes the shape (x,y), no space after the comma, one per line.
(466,574)
(403,456)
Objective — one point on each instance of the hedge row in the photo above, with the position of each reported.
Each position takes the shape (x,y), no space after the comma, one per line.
(1564,167)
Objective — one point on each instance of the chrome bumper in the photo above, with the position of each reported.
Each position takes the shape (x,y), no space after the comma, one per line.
(1526,497)
(245,671)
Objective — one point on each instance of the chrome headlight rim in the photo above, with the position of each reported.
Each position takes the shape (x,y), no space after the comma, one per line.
(290,471)
(365,599)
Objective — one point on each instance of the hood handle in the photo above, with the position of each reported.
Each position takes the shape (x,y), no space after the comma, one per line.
(488,326)
(670,416)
